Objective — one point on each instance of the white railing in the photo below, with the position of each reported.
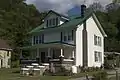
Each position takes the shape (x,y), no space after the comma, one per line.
(66,60)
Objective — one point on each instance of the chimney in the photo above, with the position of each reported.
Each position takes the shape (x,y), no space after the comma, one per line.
(83,9)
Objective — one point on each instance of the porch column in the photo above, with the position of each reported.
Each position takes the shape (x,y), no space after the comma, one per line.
(61,57)
(61,54)
(73,54)
(37,56)
(48,52)
(37,53)
(49,56)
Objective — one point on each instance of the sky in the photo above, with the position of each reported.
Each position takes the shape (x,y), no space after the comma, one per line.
(62,6)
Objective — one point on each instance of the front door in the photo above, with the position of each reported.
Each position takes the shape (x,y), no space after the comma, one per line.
(42,57)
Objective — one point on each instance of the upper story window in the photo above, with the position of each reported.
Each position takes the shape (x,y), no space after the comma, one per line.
(97,40)
(98,56)
(52,22)
(68,36)
(38,39)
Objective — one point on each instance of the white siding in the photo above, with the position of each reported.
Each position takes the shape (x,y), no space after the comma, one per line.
(79,49)
(66,33)
(52,37)
(92,30)
(51,16)
(5,58)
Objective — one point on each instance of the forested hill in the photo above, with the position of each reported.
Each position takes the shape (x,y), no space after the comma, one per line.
(111,24)
(16,19)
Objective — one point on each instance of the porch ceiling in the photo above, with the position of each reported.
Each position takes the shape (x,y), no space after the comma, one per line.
(53,45)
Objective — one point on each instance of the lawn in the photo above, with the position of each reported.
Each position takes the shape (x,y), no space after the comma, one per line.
(13,74)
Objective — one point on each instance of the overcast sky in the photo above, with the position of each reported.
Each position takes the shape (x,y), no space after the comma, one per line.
(62,5)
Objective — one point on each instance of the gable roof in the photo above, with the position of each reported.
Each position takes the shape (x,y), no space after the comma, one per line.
(4,45)
(72,23)
(61,15)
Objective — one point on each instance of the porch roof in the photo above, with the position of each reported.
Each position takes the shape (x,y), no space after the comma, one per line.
(49,45)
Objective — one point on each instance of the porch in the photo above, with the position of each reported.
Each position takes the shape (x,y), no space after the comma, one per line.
(55,54)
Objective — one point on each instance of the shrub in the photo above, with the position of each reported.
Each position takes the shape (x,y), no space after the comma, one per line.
(89,69)
(47,72)
(61,72)
(15,64)
(100,76)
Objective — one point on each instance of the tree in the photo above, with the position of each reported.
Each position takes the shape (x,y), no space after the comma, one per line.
(16,20)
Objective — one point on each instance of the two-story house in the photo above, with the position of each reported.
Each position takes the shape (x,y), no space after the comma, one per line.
(78,40)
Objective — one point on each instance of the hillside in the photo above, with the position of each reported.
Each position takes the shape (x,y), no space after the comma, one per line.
(16,19)
(111,25)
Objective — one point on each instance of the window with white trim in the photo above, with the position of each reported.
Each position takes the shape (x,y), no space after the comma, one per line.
(38,39)
(52,22)
(97,40)
(68,36)
(98,56)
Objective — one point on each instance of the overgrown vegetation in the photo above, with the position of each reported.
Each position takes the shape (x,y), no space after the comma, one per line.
(16,19)
(111,24)
(100,76)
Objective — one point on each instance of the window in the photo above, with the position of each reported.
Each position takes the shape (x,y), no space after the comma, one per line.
(56,21)
(68,36)
(98,56)
(34,38)
(38,39)
(47,23)
(52,22)
(97,40)
(65,38)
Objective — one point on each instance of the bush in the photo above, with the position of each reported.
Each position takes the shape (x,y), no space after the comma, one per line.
(47,72)
(100,76)
(61,72)
(15,64)
(89,69)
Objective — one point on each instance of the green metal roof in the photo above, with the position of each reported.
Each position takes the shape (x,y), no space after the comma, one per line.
(50,44)
(72,23)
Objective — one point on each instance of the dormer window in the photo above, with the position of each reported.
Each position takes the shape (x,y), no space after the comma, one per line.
(52,22)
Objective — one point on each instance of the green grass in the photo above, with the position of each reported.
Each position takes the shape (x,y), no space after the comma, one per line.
(14,74)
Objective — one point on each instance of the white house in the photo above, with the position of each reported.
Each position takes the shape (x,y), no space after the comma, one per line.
(5,54)
(77,41)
